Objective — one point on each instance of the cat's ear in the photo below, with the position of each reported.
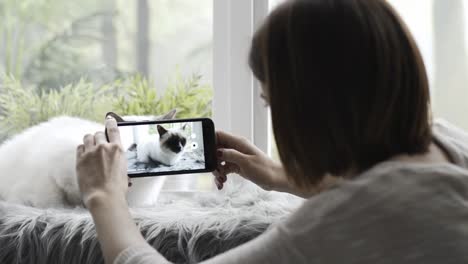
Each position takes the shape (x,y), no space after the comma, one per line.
(184,126)
(170,115)
(161,130)
(115,116)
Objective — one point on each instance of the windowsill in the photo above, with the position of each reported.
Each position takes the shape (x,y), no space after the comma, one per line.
(182,194)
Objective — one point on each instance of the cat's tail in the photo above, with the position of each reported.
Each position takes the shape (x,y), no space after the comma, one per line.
(132,147)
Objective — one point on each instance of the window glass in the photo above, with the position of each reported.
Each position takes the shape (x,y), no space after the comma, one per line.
(84,58)
(440,30)
(274,3)
(272,149)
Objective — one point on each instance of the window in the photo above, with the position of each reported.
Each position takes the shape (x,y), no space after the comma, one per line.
(56,55)
(237,106)
(274,3)
(272,149)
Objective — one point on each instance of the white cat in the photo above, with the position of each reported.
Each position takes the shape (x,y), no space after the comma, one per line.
(166,148)
(38,165)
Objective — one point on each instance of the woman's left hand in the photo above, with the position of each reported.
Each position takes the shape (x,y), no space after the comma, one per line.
(102,166)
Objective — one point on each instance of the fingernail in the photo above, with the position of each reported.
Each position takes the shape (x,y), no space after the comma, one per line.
(219,153)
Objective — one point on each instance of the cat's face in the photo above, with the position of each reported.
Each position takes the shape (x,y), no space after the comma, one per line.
(172,139)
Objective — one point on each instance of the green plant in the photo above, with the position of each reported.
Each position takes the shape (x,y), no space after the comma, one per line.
(24,106)
(188,96)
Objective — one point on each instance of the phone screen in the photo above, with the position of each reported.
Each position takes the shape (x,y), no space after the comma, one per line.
(162,148)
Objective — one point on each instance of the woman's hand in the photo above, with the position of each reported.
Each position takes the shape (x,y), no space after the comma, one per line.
(102,177)
(102,166)
(242,157)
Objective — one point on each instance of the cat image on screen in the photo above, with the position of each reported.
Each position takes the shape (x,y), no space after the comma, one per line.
(38,165)
(166,148)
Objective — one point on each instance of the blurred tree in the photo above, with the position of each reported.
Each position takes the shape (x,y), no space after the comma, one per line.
(44,40)
(143,42)
(109,41)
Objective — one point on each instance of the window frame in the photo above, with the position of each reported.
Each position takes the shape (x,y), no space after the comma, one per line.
(237,106)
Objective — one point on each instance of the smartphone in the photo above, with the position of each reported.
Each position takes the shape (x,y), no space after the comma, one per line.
(166,147)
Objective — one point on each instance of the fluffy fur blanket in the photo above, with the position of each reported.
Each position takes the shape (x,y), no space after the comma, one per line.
(185,229)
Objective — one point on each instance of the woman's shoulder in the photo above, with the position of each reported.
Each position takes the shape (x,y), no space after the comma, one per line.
(394,211)
(449,129)
(390,186)
(453,139)
(390,208)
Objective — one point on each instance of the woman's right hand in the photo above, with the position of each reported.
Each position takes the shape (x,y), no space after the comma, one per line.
(238,155)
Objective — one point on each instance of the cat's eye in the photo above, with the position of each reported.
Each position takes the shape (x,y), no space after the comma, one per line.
(183,141)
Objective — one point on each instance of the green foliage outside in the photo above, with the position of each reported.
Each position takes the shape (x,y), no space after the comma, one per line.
(52,64)
(43,41)
(188,96)
(25,106)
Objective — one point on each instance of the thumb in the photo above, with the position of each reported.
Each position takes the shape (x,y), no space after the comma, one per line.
(232,156)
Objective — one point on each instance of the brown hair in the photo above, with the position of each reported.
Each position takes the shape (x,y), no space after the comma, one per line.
(346,84)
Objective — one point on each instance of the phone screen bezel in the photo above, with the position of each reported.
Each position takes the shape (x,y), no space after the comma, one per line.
(209,141)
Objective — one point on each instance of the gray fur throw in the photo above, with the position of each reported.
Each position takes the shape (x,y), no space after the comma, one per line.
(185,229)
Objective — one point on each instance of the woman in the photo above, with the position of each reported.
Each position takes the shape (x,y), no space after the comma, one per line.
(350,107)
